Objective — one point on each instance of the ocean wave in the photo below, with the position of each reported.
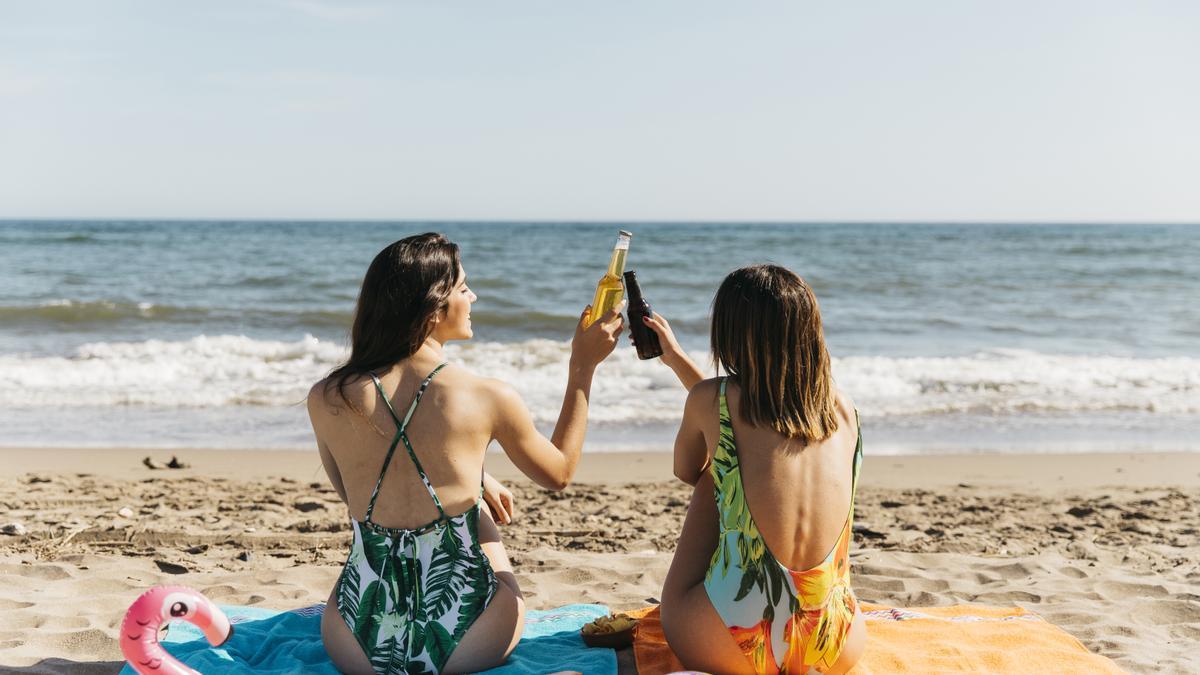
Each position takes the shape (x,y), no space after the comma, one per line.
(232,371)
(1018,381)
(48,238)
(226,370)
(65,311)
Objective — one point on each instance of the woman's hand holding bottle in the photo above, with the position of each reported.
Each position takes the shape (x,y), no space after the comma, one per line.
(593,344)
(673,355)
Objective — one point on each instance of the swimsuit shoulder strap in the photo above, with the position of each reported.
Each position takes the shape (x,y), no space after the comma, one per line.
(725,458)
(401,435)
(858,456)
(726,430)
(386,401)
(854,471)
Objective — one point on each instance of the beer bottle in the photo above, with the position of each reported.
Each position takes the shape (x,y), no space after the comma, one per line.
(645,340)
(609,291)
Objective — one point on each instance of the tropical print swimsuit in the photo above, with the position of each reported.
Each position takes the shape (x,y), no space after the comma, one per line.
(409,595)
(784,621)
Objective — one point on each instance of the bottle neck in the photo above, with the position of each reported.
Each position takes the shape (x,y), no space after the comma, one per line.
(633,289)
(616,266)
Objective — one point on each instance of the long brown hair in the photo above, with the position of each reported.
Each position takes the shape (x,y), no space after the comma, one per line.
(404,288)
(766,333)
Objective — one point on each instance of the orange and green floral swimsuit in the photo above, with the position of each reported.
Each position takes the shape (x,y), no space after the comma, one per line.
(784,621)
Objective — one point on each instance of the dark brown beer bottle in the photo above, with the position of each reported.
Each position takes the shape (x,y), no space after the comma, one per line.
(645,340)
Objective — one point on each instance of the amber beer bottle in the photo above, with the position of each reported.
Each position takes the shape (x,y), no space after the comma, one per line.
(610,291)
(645,340)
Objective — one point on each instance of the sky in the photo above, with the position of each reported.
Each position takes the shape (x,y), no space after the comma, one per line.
(1008,110)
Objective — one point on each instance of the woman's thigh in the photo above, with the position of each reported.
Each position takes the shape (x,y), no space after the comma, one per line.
(493,636)
(697,635)
(692,626)
(343,648)
(853,648)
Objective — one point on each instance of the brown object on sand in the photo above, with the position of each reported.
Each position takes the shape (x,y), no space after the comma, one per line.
(614,631)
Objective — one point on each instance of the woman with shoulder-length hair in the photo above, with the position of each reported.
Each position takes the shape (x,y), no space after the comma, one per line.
(760,581)
(428,586)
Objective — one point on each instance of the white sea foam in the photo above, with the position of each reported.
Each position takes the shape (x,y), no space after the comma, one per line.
(1018,381)
(231,371)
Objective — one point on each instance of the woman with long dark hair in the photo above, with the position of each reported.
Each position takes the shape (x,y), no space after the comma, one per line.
(428,586)
(760,581)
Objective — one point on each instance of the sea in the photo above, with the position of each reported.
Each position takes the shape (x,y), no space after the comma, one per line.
(951,338)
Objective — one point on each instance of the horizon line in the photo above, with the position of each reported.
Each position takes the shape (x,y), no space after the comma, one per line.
(588,221)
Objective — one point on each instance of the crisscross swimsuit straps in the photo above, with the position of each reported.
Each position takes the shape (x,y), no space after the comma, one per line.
(784,621)
(409,595)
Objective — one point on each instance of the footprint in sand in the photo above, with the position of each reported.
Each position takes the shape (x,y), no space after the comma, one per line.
(1073,572)
(929,585)
(882,571)
(1166,612)
(43,571)
(1185,632)
(1013,571)
(27,620)
(1007,597)
(1070,618)
(87,642)
(867,583)
(6,604)
(1119,590)
(220,591)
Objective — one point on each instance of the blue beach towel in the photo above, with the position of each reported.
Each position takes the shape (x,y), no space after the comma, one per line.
(274,641)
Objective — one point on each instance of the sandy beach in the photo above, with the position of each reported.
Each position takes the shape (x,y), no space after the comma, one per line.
(1104,546)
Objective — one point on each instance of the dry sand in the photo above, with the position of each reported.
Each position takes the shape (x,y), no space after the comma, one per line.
(1105,546)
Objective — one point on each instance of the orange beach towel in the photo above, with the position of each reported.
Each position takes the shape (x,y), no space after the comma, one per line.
(955,639)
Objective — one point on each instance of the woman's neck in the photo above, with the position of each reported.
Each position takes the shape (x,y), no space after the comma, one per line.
(432,348)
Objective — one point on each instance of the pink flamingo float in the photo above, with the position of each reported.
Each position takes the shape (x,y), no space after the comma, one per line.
(157,606)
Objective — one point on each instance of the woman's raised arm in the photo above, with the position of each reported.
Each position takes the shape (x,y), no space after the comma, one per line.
(551,462)
(673,355)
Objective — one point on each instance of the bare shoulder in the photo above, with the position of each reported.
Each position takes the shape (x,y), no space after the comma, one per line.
(476,392)
(318,396)
(496,392)
(847,414)
(325,398)
(494,404)
(704,393)
(847,411)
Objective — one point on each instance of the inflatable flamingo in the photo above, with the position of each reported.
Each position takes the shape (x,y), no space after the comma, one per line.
(157,606)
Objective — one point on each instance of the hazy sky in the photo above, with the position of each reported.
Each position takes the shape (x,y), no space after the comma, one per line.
(688,110)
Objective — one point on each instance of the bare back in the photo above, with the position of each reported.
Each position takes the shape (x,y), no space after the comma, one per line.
(449,432)
(799,495)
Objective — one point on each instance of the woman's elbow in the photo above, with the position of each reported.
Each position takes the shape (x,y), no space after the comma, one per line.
(688,475)
(555,482)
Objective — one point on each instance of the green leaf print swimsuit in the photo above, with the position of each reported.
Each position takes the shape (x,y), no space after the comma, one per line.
(409,595)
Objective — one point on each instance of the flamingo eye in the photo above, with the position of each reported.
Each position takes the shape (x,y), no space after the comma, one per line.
(178,606)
